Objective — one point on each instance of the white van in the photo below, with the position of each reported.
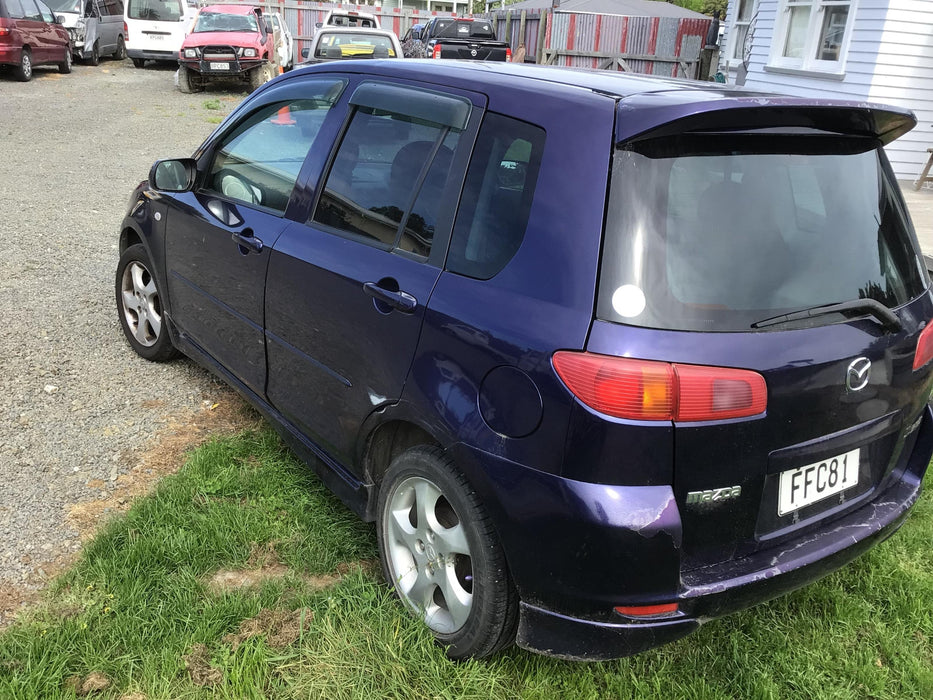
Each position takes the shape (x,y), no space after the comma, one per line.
(96,27)
(155,29)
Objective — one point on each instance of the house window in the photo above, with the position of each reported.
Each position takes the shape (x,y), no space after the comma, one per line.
(812,35)
(745,10)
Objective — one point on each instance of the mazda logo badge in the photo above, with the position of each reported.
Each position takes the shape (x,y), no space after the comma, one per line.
(858,374)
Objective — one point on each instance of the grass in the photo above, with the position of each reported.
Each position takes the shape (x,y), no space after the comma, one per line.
(144,614)
(211,104)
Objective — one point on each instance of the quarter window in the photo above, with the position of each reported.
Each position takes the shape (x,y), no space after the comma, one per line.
(812,35)
(31,10)
(258,161)
(497,196)
(387,180)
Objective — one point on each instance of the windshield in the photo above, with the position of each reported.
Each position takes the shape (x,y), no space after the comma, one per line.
(717,232)
(64,5)
(219,22)
(155,10)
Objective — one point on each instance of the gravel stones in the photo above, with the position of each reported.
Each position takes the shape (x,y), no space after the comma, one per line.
(77,406)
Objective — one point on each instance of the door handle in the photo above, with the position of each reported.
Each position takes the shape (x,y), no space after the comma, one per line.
(402,301)
(247,240)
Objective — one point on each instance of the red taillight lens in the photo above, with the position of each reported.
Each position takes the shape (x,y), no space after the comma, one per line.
(646,610)
(436,53)
(508,55)
(924,347)
(711,393)
(126,31)
(649,390)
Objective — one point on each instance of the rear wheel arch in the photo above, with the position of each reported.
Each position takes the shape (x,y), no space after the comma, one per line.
(387,441)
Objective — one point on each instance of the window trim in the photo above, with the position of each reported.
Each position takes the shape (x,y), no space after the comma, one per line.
(808,64)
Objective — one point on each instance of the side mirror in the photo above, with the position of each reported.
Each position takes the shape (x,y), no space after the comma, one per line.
(416,35)
(173,175)
(305,52)
(318,25)
(59,19)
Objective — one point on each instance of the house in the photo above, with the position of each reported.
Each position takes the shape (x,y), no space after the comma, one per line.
(866,50)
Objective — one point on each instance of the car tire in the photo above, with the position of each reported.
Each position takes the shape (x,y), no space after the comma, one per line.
(65,66)
(139,306)
(441,554)
(186,81)
(120,54)
(258,77)
(139,62)
(94,58)
(24,69)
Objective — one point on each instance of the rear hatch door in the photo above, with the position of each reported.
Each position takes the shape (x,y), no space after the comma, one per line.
(783,248)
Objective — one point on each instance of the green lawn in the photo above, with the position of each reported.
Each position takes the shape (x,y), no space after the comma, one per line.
(159,607)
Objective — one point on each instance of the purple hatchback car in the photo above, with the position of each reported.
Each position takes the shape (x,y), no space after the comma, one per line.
(602,356)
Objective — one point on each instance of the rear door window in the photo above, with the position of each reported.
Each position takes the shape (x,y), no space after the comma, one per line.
(387,180)
(720,233)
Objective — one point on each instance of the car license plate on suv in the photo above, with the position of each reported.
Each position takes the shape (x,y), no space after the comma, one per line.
(220,65)
(806,485)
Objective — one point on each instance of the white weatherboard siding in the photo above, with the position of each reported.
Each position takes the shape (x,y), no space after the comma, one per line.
(904,76)
(889,60)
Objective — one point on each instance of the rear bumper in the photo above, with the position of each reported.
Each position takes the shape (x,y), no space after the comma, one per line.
(11,55)
(153,55)
(587,561)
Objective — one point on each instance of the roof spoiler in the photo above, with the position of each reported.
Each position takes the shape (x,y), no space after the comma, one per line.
(659,114)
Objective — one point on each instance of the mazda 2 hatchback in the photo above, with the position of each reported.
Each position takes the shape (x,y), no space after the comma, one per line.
(602,356)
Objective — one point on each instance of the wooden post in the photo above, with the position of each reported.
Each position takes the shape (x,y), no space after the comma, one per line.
(521,28)
(542,27)
(508,26)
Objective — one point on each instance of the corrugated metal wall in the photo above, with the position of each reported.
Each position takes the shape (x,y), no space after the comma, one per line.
(636,39)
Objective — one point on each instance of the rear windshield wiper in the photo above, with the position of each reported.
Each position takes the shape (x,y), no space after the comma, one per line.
(856,307)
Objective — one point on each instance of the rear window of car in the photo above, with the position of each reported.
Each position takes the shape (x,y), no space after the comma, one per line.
(721,232)
(155,10)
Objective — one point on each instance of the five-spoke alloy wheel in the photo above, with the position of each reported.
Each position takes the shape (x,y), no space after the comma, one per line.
(140,306)
(441,553)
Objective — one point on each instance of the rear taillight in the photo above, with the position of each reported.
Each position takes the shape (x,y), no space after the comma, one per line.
(650,390)
(126,31)
(4,27)
(508,55)
(924,347)
(436,53)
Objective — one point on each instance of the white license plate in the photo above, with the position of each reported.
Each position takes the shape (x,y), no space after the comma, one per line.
(806,485)
(156,37)
(222,65)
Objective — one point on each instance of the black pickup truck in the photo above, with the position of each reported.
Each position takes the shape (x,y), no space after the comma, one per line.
(448,37)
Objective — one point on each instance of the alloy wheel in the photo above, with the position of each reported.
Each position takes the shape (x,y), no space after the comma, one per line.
(142,307)
(428,554)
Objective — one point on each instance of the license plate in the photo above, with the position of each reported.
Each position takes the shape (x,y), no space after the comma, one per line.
(156,37)
(220,65)
(804,486)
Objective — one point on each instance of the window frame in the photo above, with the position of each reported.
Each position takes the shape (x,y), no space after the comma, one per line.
(813,37)
(735,46)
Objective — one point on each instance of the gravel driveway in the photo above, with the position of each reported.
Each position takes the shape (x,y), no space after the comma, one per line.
(84,424)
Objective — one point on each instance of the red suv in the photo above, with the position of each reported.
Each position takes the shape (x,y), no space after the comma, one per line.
(31,36)
(227,42)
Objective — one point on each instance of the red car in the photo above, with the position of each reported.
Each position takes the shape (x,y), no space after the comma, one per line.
(227,42)
(31,36)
